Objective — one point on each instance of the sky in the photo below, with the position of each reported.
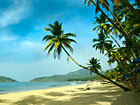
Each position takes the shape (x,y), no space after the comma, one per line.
(22,23)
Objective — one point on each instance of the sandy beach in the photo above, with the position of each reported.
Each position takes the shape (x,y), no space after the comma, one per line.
(99,94)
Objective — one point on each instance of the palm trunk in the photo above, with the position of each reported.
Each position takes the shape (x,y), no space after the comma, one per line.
(119,29)
(131,8)
(120,47)
(115,41)
(116,18)
(124,88)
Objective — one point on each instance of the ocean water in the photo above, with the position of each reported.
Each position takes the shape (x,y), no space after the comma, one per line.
(27,86)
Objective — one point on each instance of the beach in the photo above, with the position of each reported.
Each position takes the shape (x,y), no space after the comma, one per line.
(99,94)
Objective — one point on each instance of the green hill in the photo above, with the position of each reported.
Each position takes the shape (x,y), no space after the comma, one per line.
(6,79)
(82,73)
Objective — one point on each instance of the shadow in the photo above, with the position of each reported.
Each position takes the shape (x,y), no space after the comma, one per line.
(107,87)
(70,91)
(128,98)
(92,98)
(3,101)
(32,100)
(55,94)
(80,98)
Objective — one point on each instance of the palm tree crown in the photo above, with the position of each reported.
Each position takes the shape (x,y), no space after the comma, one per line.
(57,40)
(101,43)
(94,64)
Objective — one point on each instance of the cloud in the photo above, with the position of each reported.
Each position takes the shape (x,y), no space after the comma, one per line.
(21,50)
(28,44)
(7,35)
(17,11)
(7,38)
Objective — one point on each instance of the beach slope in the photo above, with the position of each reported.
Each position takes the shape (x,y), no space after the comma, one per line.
(99,94)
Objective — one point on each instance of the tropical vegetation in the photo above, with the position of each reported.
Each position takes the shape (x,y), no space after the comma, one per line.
(120,19)
(114,18)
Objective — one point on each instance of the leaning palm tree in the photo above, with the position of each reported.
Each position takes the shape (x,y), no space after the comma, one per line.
(126,36)
(58,41)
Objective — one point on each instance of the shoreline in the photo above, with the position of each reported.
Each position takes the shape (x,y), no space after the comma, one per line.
(99,94)
(21,91)
(50,88)
(38,86)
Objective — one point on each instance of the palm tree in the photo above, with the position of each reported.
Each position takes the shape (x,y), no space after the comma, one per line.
(104,27)
(58,41)
(101,43)
(127,3)
(126,36)
(94,64)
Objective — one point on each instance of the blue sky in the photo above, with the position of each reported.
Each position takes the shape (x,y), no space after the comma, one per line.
(22,25)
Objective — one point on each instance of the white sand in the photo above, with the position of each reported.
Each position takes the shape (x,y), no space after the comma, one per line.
(99,94)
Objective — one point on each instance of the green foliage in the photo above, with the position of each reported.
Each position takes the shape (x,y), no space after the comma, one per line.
(85,79)
(57,40)
(101,43)
(128,45)
(94,64)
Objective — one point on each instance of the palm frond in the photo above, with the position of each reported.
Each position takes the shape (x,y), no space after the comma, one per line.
(54,54)
(95,40)
(48,45)
(89,2)
(50,49)
(71,34)
(59,50)
(52,26)
(47,29)
(85,1)
(57,45)
(63,36)
(68,46)
(47,37)
(69,40)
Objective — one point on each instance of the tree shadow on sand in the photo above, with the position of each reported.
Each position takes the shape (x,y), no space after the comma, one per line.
(128,98)
(83,98)
(108,87)
(3,101)
(54,94)
(32,100)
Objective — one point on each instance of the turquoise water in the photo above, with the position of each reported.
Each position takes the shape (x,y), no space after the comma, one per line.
(27,86)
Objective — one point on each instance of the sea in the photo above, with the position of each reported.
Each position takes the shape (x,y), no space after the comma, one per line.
(28,86)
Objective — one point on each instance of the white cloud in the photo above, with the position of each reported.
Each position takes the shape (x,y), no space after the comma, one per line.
(29,44)
(7,35)
(7,38)
(14,13)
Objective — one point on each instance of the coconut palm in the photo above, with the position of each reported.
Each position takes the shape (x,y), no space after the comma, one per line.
(126,36)
(104,27)
(127,3)
(101,43)
(94,64)
(58,41)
